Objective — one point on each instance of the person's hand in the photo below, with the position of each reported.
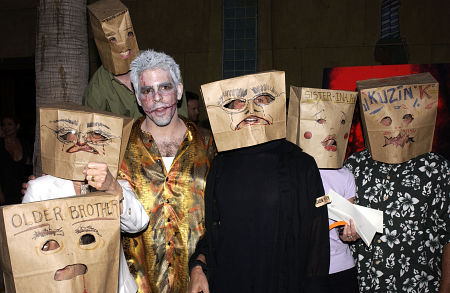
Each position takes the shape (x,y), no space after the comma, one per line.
(25,184)
(349,233)
(198,282)
(99,177)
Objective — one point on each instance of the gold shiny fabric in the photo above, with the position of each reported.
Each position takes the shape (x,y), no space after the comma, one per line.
(158,257)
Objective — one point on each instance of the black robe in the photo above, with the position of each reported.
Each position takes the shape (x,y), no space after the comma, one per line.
(263,231)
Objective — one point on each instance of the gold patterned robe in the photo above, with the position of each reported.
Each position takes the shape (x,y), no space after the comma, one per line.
(158,257)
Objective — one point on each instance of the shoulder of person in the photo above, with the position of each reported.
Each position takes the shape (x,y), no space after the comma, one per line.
(438,158)
(99,76)
(358,156)
(296,152)
(102,72)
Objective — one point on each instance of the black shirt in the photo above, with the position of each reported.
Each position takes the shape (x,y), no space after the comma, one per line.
(264,233)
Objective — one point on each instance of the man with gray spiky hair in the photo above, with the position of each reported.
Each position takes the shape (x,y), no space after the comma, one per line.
(166,162)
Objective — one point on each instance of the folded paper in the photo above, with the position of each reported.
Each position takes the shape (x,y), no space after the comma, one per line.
(367,221)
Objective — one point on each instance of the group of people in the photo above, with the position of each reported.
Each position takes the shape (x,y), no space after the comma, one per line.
(245,219)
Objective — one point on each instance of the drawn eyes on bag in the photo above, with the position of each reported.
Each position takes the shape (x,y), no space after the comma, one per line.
(240,104)
(406,119)
(113,40)
(50,245)
(87,239)
(68,135)
(321,121)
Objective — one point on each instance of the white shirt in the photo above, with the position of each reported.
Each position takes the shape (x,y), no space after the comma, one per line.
(168,162)
(133,219)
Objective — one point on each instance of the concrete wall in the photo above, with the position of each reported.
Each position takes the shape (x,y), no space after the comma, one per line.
(304,37)
(299,36)
(189,31)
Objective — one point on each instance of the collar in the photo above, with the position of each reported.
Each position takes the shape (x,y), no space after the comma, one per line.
(191,130)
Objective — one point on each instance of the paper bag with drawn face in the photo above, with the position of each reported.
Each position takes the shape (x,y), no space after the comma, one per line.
(113,34)
(61,245)
(247,110)
(399,115)
(74,135)
(319,122)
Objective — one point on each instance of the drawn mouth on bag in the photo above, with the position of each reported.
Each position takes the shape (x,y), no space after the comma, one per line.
(399,140)
(83,147)
(70,272)
(329,143)
(252,120)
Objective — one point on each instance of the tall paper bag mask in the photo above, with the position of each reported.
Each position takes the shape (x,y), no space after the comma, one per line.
(399,115)
(113,34)
(61,245)
(319,122)
(247,110)
(74,135)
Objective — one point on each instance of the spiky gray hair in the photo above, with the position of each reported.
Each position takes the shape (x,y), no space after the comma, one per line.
(149,60)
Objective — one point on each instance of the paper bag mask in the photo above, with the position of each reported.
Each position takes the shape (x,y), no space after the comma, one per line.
(113,34)
(319,122)
(247,110)
(74,135)
(61,245)
(399,115)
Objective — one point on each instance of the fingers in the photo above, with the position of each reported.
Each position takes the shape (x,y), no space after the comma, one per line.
(98,175)
(353,228)
(198,282)
(25,184)
(346,234)
(349,234)
(24,188)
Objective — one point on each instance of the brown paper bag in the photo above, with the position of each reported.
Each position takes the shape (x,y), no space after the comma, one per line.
(319,122)
(259,113)
(61,245)
(73,135)
(113,34)
(399,115)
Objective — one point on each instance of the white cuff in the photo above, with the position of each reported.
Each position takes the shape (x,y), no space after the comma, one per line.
(134,218)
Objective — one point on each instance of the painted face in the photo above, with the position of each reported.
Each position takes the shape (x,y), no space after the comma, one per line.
(120,34)
(328,127)
(64,247)
(324,124)
(82,136)
(50,242)
(247,110)
(400,136)
(72,137)
(399,116)
(159,96)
